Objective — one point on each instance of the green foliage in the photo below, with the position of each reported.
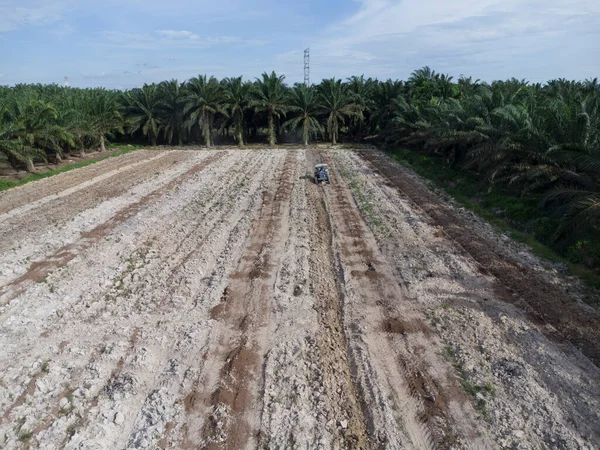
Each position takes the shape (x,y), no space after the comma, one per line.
(205,98)
(271,96)
(142,106)
(337,104)
(304,105)
(533,151)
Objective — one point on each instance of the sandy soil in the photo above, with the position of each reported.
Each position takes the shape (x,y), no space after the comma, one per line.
(220,299)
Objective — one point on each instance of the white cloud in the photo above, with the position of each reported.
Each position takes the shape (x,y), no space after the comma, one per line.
(175,34)
(165,39)
(15,15)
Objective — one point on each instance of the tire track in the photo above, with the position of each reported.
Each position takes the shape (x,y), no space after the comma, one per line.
(369,289)
(234,360)
(345,396)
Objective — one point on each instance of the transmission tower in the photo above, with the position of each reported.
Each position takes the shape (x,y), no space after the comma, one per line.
(307,67)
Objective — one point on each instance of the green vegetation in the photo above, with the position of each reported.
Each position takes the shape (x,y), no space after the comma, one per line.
(25,436)
(524,156)
(476,392)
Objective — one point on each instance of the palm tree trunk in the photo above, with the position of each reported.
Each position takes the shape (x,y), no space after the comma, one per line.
(240,136)
(271,130)
(102,148)
(334,132)
(30,166)
(305,133)
(206,132)
(58,157)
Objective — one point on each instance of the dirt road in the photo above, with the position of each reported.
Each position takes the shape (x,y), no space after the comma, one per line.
(220,299)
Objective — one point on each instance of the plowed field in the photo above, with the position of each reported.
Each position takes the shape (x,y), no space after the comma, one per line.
(221,299)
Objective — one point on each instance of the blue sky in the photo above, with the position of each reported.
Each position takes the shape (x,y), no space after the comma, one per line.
(121,44)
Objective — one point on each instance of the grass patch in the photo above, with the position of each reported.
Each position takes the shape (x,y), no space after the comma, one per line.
(4,185)
(25,436)
(521,216)
(473,390)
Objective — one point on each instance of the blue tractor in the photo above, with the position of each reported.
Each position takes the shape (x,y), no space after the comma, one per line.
(321,173)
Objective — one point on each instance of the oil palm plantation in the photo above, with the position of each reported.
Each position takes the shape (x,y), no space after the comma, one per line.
(236,101)
(205,98)
(532,140)
(34,129)
(270,96)
(105,115)
(304,106)
(143,111)
(362,90)
(337,105)
(172,102)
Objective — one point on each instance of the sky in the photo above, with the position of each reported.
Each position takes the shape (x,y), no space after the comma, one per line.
(120,44)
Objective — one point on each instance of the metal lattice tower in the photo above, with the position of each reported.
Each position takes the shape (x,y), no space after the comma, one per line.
(307,67)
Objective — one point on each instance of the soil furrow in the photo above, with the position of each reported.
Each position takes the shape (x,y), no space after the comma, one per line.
(234,363)
(546,303)
(34,191)
(344,395)
(500,357)
(179,290)
(407,333)
(87,184)
(41,225)
(40,269)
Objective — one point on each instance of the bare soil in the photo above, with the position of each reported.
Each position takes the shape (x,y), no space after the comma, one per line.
(221,299)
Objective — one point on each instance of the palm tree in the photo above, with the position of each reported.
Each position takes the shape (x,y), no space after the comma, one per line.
(236,101)
(271,96)
(304,103)
(105,114)
(467,87)
(173,97)
(336,104)
(388,98)
(444,86)
(12,147)
(203,101)
(143,111)
(35,129)
(362,91)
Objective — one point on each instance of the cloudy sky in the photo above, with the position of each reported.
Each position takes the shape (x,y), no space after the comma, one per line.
(125,43)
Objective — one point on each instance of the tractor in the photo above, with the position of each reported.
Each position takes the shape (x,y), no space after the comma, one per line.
(321,173)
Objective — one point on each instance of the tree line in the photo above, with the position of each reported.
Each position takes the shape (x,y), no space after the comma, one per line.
(531,139)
